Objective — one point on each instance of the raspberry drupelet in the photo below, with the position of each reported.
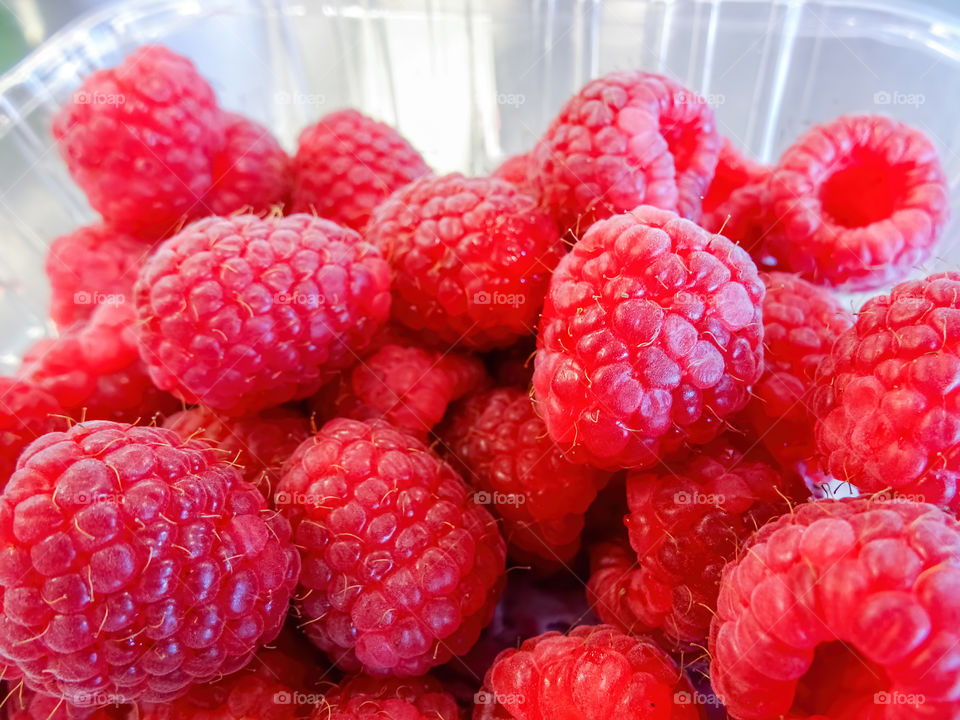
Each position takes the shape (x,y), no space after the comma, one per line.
(501,447)
(887,400)
(650,337)
(244,313)
(90,266)
(27,411)
(139,139)
(21,703)
(734,171)
(347,164)
(401,568)
(135,564)
(801,323)
(595,672)
(370,698)
(95,372)
(626,139)
(251,172)
(857,202)
(406,385)
(257,444)
(839,609)
(471,258)
(684,525)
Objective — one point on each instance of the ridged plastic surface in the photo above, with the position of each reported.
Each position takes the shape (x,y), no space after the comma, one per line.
(469,82)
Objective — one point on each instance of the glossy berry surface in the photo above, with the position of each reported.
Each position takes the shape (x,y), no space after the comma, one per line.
(135,564)
(650,337)
(243,313)
(471,258)
(368,698)
(401,568)
(839,609)
(27,411)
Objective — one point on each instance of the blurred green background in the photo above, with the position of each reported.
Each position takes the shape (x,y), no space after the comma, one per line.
(24,24)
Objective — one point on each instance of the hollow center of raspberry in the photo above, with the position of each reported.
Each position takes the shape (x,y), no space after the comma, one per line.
(864,192)
(839,683)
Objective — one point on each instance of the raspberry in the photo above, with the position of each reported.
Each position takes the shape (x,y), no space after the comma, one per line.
(859,202)
(90,265)
(366,698)
(734,171)
(887,397)
(836,605)
(272,687)
(745,219)
(592,673)
(347,164)
(408,386)
(499,444)
(514,170)
(94,370)
(471,258)
(135,564)
(650,336)
(27,411)
(801,322)
(684,524)
(251,172)
(140,139)
(626,139)
(24,704)
(400,569)
(258,445)
(243,313)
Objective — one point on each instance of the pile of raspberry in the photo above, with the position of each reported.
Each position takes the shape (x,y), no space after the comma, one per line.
(325,435)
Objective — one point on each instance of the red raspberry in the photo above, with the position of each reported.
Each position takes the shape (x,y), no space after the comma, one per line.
(135,564)
(500,445)
(90,265)
(21,703)
(734,171)
(274,686)
(626,139)
(366,698)
(27,411)
(858,201)
(401,570)
(593,673)
(837,605)
(515,170)
(684,524)
(243,313)
(887,396)
(347,164)
(139,139)
(251,172)
(650,336)
(471,258)
(95,372)
(801,322)
(745,219)
(258,445)
(408,386)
